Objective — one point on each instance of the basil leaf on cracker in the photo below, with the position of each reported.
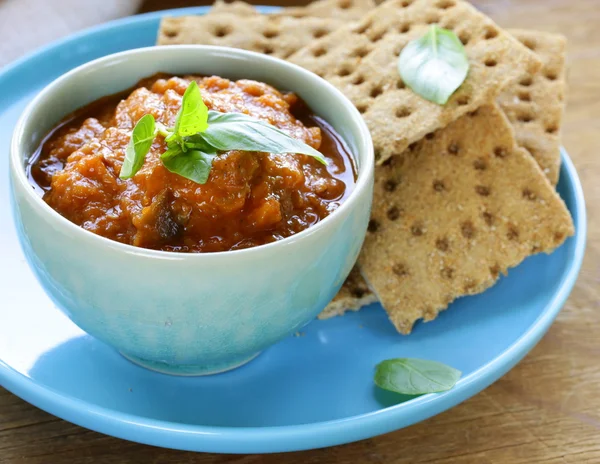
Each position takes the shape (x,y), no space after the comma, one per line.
(435,65)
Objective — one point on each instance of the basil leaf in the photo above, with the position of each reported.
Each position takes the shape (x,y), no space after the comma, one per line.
(193,115)
(138,147)
(435,65)
(197,142)
(194,165)
(411,376)
(238,131)
(172,150)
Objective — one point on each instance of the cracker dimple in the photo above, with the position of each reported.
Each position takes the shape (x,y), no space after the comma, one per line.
(490,33)
(534,102)
(373,225)
(358,79)
(417,229)
(467,229)
(442,244)
(400,270)
(439,185)
(480,164)
(488,218)
(450,242)
(445,4)
(483,190)
(512,232)
(270,33)
(394,213)
(447,273)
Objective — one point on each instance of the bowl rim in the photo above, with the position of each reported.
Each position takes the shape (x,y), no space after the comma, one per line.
(364,144)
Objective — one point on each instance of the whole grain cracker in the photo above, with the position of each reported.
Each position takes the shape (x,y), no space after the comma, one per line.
(547,104)
(361,60)
(279,36)
(534,103)
(353,295)
(343,10)
(453,213)
(539,94)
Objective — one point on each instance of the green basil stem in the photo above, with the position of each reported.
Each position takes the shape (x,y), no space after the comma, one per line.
(161,129)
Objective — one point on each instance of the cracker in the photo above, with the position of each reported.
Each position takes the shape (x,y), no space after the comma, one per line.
(534,103)
(540,95)
(454,212)
(344,10)
(361,60)
(279,36)
(353,295)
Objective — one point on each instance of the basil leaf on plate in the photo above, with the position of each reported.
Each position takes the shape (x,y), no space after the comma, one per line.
(435,65)
(194,165)
(193,115)
(411,376)
(138,147)
(238,131)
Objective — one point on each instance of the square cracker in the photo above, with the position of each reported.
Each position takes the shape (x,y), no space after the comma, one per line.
(353,295)
(279,36)
(455,211)
(534,103)
(361,60)
(540,94)
(344,10)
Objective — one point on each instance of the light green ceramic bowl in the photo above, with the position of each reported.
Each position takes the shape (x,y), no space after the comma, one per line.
(188,313)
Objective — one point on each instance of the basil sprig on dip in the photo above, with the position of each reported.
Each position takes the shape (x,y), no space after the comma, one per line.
(200,134)
(410,376)
(435,65)
(139,144)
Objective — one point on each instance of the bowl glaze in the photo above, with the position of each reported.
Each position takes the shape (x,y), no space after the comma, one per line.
(177,313)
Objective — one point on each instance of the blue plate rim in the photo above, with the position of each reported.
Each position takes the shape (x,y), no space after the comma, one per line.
(291,437)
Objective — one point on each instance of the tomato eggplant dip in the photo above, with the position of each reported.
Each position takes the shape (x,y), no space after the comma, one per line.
(250,198)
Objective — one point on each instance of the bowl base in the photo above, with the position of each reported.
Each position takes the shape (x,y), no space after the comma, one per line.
(189,369)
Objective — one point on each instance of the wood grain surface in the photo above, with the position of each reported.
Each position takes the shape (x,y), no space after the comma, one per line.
(546,410)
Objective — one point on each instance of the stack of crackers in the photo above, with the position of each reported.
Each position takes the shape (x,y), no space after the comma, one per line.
(463,191)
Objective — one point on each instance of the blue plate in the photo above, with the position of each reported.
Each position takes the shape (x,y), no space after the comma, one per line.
(309,391)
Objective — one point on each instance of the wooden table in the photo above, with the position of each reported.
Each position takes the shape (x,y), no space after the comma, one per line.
(546,410)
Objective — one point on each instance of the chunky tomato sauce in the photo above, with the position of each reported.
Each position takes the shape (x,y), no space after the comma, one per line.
(250,198)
